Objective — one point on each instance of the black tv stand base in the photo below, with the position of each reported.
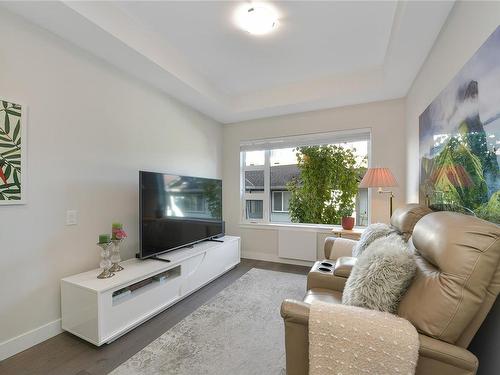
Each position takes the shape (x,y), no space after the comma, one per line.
(160,259)
(215,240)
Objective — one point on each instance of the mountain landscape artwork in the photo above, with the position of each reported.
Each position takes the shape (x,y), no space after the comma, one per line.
(11,153)
(460,139)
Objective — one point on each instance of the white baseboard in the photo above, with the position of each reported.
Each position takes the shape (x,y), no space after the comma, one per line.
(273,258)
(28,339)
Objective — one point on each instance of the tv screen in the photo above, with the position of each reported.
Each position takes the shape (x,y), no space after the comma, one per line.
(176,211)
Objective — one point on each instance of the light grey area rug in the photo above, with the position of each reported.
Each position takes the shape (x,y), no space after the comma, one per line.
(238,332)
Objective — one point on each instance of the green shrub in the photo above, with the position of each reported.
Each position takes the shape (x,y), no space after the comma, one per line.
(327,185)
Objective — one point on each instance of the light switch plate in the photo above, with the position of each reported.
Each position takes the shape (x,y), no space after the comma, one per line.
(71,217)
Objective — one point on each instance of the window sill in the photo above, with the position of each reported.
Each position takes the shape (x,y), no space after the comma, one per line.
(321,228)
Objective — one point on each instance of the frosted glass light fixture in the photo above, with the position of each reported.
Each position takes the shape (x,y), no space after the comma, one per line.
(257,19)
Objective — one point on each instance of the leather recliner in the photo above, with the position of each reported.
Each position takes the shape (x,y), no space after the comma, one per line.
(456,284)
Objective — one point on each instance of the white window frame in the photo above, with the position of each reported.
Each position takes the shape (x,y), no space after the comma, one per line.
(255,196)
(267,145)
(282,211)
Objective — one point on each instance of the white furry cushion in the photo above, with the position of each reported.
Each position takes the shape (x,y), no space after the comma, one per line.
(381,275)
(370,234)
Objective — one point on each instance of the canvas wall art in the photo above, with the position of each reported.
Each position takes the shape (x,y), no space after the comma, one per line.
(460,139)
(12,153)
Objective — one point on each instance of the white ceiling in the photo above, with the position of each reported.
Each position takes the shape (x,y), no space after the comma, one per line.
(314,40)
(324,54)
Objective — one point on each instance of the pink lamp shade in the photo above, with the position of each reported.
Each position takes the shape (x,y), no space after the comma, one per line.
(378,177)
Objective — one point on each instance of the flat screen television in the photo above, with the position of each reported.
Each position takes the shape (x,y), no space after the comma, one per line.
(177,211)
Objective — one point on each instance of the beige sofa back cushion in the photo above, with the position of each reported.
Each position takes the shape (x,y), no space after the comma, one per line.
(457,257)
(405,218)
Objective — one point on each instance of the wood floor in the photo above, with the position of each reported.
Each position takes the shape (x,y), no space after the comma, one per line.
(66,354)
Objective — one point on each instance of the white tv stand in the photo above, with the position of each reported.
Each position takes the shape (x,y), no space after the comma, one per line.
(95,310)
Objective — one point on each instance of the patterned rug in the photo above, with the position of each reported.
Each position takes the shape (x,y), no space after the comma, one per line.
(238,332)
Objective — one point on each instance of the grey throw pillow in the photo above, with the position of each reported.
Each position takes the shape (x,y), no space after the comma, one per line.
(381,275)
(370,234)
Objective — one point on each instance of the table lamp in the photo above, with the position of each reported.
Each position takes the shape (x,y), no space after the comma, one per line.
(380,178)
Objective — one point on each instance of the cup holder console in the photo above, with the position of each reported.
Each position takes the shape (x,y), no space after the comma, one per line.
(325,266)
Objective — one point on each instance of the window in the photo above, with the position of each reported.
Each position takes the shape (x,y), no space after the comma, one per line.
(253,158)
(275,172)
(254,181)
(254,209)
(281,200)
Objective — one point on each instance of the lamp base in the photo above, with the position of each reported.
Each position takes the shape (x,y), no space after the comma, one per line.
(391,196)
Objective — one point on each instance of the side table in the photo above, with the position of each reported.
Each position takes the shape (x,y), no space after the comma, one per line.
(353,234)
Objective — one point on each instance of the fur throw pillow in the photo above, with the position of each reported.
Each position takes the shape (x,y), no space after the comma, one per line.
(381,275)
(370,234)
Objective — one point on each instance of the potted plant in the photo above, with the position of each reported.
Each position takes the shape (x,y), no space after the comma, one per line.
(347,220)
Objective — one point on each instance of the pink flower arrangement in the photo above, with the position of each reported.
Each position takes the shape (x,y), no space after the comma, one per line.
(119,234)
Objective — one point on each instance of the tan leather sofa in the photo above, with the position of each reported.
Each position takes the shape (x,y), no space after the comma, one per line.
(457,282)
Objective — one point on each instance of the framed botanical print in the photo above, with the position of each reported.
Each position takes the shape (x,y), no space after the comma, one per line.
(12,153)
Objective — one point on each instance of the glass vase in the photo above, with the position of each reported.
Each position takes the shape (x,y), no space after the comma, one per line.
(115,256)
(105,263)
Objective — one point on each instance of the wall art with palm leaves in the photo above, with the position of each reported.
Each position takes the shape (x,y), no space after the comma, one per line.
(12,153)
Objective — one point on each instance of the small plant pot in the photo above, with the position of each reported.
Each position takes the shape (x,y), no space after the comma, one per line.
(348,222)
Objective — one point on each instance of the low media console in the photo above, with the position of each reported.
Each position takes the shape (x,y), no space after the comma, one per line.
(101,310)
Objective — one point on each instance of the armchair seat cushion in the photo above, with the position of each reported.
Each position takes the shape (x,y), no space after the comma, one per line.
(323,295)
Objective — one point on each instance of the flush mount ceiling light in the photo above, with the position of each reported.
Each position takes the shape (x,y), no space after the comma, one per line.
(257,19)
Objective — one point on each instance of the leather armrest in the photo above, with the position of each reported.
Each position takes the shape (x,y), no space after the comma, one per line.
(296,317)
(456,360)
(294,311)
(343,266)
(338,247)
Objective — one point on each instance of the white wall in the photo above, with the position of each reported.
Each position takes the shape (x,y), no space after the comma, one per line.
(90,129)
(386,119)
(467,28)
